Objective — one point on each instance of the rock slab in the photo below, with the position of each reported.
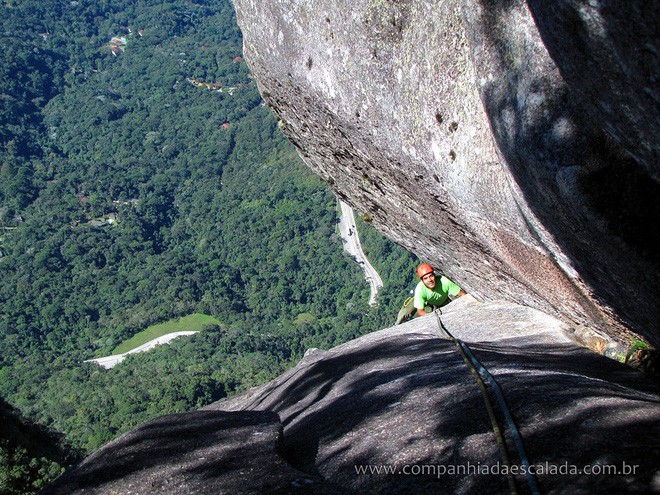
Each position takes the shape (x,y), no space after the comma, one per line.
(399,411)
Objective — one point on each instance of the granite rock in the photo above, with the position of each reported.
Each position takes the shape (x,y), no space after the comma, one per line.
(200,452)
(509,143)
(403,399)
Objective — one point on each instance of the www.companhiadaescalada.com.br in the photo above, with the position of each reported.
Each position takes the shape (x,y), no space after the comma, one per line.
(496,469)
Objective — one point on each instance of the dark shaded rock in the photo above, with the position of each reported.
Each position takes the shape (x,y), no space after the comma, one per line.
(574,178)
(510,143)
(202,452)
(618,42)
(403,399)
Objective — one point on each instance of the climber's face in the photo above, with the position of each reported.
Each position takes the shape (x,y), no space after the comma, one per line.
(429,280)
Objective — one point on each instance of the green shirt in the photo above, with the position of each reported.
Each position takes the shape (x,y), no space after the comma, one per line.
(436,297)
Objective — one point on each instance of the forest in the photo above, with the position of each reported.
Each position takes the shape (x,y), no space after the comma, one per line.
(143,179)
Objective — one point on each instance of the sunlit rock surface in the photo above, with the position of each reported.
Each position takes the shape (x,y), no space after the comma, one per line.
(511,144)
(404,399)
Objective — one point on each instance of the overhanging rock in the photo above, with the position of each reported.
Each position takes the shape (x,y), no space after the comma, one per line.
(472,135)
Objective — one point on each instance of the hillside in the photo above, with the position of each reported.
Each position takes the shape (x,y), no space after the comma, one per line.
(30,455)
(126,201)
(136,191)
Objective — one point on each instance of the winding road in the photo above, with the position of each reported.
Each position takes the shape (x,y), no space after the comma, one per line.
(351,241)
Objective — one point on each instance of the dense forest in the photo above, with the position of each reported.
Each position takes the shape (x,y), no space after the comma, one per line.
(142,179)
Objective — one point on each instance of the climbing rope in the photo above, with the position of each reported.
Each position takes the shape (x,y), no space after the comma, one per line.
(482,375)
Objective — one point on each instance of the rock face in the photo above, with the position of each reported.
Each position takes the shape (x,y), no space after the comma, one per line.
(511,144)
(199,452)
(403,399)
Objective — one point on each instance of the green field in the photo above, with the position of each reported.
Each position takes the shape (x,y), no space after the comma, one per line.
(191,323)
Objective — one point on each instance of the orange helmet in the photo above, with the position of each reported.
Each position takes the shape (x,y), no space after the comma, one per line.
(424,269)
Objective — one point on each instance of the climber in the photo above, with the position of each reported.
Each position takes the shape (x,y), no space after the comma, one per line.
(433,292)
(428,293)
